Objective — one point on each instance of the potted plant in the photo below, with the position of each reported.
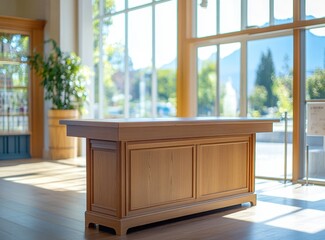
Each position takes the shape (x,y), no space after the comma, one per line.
(64,80)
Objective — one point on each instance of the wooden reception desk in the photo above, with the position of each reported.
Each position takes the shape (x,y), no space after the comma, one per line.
(141,171)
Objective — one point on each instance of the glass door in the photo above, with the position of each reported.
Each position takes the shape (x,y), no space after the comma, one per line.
(14,96)
(14,81)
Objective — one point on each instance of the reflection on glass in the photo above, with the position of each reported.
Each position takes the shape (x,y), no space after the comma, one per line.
(140,64)
(269,94)
(258,13)
(283,11)
(229,79)
(315,9)
(113,67)
(166,57)
(135,3)
(14,81)
(230,16)
(207,80)
(206,19)
(315,63)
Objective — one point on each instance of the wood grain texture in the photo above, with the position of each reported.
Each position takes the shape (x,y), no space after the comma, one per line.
(223,169)
(61,146)
(161,176)
(104,189)
(173,128)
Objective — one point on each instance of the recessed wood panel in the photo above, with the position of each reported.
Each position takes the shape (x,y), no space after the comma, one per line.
(161,176)
(104,181)
(222,167)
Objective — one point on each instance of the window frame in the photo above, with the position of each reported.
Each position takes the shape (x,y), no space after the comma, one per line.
(187,66)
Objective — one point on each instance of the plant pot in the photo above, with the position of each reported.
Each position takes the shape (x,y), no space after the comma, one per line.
(60,145)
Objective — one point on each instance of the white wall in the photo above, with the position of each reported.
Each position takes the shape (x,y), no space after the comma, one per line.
(8,8)
(33,9)
(69,25)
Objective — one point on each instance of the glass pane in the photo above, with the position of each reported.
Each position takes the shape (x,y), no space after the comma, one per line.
(135,3)
(283,11)
(315,9)
(315,63)
(166,57)
(14,47)
(315,90)
(96,57)
(206,19)
(207,80)
(268,60)
(140,63)
(229,79)
(113,67)
(315,139)
(95,4)
(258,13)
(111,6)
(230,16)
(269,86)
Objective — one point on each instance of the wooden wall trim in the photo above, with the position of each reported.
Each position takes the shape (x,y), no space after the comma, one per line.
(35,29)
(16,23)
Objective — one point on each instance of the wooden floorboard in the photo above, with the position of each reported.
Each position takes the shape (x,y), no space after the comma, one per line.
(42,199)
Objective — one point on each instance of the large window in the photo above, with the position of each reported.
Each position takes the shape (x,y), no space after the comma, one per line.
(251,58)
(240,74)
(135,58)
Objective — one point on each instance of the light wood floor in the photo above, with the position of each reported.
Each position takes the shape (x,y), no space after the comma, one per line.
(46,200)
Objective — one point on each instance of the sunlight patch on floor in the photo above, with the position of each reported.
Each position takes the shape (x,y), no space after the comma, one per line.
(309,193)
(60,175)
(263,212)
(282,216)
(285,216)
(301,221)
